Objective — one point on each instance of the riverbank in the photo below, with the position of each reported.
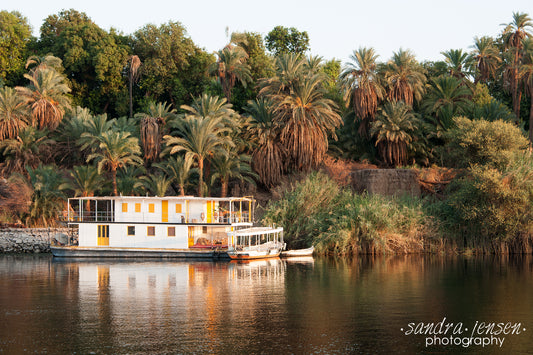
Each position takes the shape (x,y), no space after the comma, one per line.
(30,240)
(336,220)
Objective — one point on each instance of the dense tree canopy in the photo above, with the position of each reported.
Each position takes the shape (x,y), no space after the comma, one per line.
(15,33)
(287,40)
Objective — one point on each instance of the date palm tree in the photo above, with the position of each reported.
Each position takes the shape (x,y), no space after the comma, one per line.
(405,78)
(306,119)
(362,86)
(152,127)
(128,180)
(446,98)
(200,138)
(513,35)
(157,184)
(28,149)
(526,75)
(179,169)
(230,67)
(85,181)
(231,165)
(484,59)
(47,97)
(268,158)
(116,150)
(290,68)
(48,198)
(133,77)
(394,128)
(457,62)
(14,113)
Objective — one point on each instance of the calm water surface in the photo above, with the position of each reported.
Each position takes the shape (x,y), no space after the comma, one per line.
(319,306)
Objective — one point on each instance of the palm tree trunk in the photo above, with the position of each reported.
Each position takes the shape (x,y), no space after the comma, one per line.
(131,94)
(531,118)
(114,174)
(201,177)
(182,190)
(224,189)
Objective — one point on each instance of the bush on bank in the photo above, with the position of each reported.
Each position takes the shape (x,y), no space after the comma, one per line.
(316,211)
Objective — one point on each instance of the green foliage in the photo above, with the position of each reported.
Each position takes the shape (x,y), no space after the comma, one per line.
(490,206)
(283,40)
(174,69)
(315,211)
(48,198)
(15,34)
(92,57)
(394,129)
(482,142)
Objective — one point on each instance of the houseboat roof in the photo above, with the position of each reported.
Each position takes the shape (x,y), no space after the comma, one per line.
(107,198)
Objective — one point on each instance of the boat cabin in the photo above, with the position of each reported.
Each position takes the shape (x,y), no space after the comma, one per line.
(181,222)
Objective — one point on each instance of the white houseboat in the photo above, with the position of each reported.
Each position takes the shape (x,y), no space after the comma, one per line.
(174,226)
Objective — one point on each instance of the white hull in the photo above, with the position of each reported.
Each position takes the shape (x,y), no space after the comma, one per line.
(298,252)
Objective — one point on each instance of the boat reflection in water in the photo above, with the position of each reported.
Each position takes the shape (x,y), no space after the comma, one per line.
(174,302)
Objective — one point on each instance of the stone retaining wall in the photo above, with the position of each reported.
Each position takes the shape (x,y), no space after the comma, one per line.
(31,240)
(388,182)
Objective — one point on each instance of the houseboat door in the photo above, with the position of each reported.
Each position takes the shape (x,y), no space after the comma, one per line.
(164,211)
(103,235)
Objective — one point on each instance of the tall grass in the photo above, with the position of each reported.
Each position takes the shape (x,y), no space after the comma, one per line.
(316,211)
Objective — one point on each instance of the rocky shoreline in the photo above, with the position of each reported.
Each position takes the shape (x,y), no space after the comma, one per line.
(31,240)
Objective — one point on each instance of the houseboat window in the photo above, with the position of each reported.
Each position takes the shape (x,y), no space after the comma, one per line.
(178,207)
(171,231)
(137,207)
(124,207)
(204,230)
(151,208)
(131,230)
(150,231)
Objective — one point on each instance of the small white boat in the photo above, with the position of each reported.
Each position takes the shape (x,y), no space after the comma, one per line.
(255,243)
(298,252)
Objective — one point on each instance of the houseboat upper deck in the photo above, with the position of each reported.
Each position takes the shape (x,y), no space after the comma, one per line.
(179,223)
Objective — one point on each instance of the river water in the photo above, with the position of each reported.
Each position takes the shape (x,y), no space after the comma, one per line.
(301,306)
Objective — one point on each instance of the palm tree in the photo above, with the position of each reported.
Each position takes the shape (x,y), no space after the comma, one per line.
(47,96)
(526,74)
(393,128)
(362,86)
(228,166)
(457,62)
(13,113)
(179,169)
(405,78)
(446,98)
(48,198)
(85,181)
(157,184)
(115,150)
(27,149)
(306,118)
(152,128)
(290,68)
(94,127)
(513,35)
(133,76)
(230,67)
(48,61)
(128,180)
(268,158)
(199,137)
(484,59)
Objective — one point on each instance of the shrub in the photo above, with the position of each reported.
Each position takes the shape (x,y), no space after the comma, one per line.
(482,142)
(317,212)
(491,206)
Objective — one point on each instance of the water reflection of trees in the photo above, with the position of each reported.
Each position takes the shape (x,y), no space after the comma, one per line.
(325,305)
